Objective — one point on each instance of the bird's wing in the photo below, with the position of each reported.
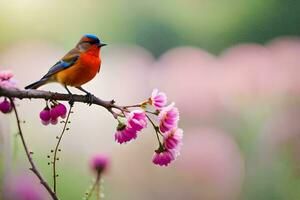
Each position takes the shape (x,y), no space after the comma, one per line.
(67,61)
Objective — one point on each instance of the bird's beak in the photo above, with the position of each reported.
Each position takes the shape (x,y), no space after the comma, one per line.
(102,44)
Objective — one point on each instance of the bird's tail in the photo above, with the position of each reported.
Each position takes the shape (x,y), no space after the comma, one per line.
(37,84)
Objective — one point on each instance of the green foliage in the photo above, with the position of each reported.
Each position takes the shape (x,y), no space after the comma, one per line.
(158,26)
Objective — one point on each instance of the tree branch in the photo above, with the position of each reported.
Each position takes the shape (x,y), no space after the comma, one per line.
(40,94)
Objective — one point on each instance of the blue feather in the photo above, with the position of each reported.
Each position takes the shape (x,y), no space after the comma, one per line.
(61,65)
(91,36)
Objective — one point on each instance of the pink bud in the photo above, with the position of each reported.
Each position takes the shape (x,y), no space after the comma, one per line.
(5,106)
(45,115)
(61,110)
(99,163)
(54,113)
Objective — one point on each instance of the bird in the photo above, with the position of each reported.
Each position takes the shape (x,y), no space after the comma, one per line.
(77,67)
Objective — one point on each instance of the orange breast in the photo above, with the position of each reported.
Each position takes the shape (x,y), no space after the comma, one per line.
(84,70)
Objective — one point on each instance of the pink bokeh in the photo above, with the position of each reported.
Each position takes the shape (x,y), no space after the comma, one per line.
(213,163)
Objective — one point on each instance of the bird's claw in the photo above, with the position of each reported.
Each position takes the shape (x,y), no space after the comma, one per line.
(89,98)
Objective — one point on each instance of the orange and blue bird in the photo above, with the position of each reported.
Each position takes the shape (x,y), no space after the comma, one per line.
(77,67)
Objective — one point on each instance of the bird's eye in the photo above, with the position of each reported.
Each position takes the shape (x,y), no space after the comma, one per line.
(89,42)
(94,42)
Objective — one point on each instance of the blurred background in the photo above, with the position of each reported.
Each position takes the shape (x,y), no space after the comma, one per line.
(231,66)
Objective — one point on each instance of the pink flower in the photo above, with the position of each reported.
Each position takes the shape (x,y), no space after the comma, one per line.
(125,135)
(51,115)
(99,163)
(5,106)
(6,75)
(173,139)
(158,99)
(170,149)
(45,116)
(54,113)
(136,121)
(168,118)
(59,110)
(163,157)
(6,81)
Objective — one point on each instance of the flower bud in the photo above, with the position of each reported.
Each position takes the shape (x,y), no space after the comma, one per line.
(99,163)
(5,106)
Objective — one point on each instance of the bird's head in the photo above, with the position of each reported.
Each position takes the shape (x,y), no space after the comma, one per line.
(88,41)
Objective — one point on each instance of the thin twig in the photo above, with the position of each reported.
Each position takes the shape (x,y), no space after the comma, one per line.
(33,167)
(57,146)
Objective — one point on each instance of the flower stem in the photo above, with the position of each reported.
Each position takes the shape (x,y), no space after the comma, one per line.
(96,186)
(153,113)
(33,167)
(156,128)
(56,149)
(133,106)
(98,190)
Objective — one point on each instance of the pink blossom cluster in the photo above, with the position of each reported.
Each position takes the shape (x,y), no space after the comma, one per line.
(166,128)
(168,117)
(172,136)
(48,115)
(6,80)
(170,149)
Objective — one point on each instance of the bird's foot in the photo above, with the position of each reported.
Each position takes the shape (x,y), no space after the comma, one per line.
(89,98)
